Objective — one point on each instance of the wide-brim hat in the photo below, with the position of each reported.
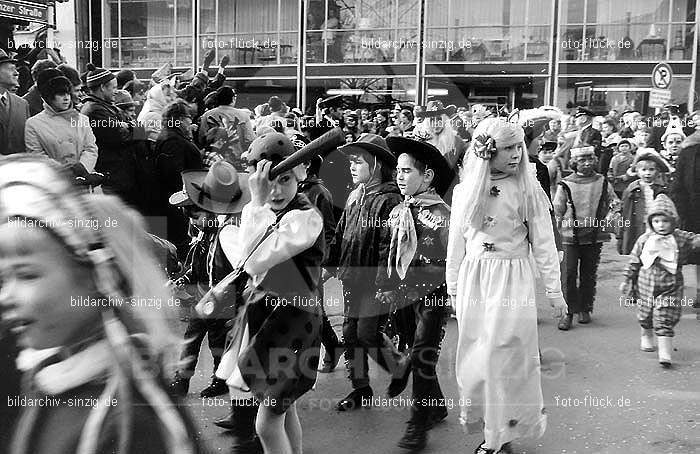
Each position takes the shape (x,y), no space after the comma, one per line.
(435,109)
(549,146)
(220,190)
(373,144)
(649,154)
(583,111)
(428,155)
(4,58)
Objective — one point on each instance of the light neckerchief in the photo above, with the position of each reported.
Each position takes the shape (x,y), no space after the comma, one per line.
(665,248)
(358,195)
(404,241)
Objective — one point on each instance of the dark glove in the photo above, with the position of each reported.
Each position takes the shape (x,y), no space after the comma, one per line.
(95,179)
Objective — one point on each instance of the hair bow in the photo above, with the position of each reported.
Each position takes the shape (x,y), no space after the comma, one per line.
(484,147)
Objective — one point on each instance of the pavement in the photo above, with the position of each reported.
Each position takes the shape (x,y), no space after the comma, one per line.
(602,394)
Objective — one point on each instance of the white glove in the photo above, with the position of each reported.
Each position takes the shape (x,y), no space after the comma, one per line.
(558,305)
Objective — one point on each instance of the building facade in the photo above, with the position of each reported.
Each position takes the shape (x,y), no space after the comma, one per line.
(513,53)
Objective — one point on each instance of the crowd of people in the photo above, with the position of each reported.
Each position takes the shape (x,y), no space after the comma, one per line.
(425,212)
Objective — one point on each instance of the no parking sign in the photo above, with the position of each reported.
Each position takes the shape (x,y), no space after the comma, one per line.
(662,76)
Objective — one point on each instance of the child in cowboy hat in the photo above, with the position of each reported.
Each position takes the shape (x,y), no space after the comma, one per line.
(581,204)
(639,196)
(359,253)
(654,278)
(212,200)
(419,235)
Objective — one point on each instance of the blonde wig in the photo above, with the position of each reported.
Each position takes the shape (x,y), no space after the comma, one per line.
(470,195)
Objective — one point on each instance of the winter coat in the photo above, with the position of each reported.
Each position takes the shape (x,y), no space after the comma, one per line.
(33,98)
(152,112)
(617,172)
(116,138)
(360,248)
(12,125)
(321,198)
(685,190)
(65,137)
(174,153)
(634,214)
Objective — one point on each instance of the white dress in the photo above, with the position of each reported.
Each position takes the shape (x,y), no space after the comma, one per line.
(492,272)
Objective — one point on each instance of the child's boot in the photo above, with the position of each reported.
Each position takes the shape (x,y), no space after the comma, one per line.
(647,342)
(665,349)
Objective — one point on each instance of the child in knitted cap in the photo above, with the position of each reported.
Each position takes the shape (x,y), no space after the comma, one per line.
(654,278)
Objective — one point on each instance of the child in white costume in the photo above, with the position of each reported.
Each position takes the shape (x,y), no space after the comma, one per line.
(500,222)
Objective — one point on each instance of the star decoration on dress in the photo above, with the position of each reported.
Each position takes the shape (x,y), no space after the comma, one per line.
(489,221)
(488,247)
(495,191)
(428,241)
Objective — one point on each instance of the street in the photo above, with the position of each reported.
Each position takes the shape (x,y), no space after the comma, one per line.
(602,394)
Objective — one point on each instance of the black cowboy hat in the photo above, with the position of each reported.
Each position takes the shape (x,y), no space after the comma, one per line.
(428,155)
(373,144)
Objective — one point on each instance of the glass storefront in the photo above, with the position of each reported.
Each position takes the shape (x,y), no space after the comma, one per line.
(489,30)
(641,30)
(362,31)
(251,32)
(148,33)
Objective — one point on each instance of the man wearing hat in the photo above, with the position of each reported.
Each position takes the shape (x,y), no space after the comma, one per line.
(581,204)
(360,254)
(14,110)
(587,136)
(213,201)
(419,235)
(114,134)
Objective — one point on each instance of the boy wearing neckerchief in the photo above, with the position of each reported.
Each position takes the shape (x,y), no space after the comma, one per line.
(419,235)
(360,252)
(654,277)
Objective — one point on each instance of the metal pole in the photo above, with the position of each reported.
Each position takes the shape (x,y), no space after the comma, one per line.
(691,89)
(301,58)
(420,63)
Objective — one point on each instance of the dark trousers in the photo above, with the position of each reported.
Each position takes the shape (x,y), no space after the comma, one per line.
(363,336)
(197,328)
(430,330)
(581,276)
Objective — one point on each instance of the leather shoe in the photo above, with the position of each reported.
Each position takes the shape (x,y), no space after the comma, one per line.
(565,322)
(217,387)
(584,317)
(415,438)
(330,359)
(356,399)
(435,417)
(398,384)
(179,386)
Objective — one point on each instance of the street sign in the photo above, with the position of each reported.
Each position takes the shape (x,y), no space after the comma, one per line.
(662,76)
(659,97)
(28,11)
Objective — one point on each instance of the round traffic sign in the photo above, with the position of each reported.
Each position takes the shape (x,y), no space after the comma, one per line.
(662,76)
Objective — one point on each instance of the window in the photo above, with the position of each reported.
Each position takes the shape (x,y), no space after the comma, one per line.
(250,32)
(354,31)
(647,30)
(148,33)
(489,30)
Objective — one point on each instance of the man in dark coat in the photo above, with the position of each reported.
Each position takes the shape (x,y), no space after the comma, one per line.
(114,134)
(14,110)
(587,136)
(685,193)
